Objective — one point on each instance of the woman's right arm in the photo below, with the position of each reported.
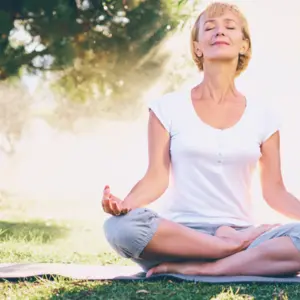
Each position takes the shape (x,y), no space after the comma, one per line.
(156,180)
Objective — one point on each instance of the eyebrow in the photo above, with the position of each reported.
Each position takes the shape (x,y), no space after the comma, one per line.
(213,20)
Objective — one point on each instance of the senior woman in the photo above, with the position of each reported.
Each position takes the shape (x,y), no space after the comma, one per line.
(211,138)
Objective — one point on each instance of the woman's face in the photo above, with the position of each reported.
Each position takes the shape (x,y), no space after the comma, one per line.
(220,38)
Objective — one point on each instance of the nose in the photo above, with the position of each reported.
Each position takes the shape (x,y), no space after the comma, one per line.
(220,33)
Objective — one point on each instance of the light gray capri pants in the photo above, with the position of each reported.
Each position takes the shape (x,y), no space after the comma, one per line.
(129,234)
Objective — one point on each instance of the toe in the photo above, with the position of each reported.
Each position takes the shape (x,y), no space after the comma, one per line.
(163,268)
(149,273)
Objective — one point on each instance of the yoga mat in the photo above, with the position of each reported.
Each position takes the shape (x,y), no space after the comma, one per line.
(112,272)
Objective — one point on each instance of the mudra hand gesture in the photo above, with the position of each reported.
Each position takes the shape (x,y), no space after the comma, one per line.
(112,204)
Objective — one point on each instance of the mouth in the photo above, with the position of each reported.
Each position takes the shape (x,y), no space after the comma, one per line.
(220,43)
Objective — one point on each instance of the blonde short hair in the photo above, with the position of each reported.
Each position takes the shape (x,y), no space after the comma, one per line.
(217,9)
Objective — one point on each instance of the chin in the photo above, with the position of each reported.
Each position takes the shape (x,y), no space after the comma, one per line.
(222,57)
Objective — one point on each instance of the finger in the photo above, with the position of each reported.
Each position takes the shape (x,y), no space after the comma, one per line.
(266,227)
(106,206)
(263,228)
(115,207)
(106,200)
(270,226)
(106,192)
(111,207)
(122,210)
(273,226)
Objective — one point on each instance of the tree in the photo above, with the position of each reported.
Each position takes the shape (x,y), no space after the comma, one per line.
(91,42)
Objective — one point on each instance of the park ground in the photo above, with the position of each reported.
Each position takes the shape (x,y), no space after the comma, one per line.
(77,240)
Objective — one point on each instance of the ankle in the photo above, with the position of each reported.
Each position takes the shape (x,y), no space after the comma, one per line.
(211,269)
(216,268)
(233,245)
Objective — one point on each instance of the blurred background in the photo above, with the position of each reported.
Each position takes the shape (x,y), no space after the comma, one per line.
(75,79)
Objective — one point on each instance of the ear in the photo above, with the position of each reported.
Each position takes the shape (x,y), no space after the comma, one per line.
(245,47)
(197,49)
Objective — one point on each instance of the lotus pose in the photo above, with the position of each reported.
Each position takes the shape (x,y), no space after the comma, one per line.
(210,139)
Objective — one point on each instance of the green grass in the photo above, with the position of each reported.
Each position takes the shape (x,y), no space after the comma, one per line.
(25,238)
(60,288)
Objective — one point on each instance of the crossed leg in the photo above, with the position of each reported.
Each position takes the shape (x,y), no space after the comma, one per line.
(273,253)
(146,238)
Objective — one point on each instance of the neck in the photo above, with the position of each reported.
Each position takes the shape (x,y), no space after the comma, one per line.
(218,83)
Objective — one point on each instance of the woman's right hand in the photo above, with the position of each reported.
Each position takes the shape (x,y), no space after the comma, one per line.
(112,204)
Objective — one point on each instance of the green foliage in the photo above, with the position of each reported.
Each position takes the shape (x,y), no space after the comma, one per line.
(65,29)
(104,51)
(120,64)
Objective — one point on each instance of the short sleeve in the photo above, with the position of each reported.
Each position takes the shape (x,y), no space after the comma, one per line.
(162,108)
(272,123)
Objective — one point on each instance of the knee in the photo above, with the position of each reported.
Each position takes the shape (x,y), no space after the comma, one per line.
(129,234)
(292,229)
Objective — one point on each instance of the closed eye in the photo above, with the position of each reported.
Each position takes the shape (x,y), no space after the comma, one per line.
(210,28)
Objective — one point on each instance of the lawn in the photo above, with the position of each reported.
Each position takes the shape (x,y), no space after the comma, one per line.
(28,234)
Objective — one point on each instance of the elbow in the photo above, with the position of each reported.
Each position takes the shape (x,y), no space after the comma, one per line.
(268,195)
(159,181)
(273,193)
(164,186)
(269,199)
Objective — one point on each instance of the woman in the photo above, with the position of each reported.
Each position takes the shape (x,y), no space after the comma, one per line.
(212,138)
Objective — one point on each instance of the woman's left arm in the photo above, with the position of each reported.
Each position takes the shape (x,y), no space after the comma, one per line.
(273,188)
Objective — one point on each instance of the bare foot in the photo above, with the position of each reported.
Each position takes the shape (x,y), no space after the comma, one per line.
(245,237)
(185,268)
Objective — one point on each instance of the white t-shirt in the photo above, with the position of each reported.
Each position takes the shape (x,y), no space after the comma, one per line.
(211,169)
